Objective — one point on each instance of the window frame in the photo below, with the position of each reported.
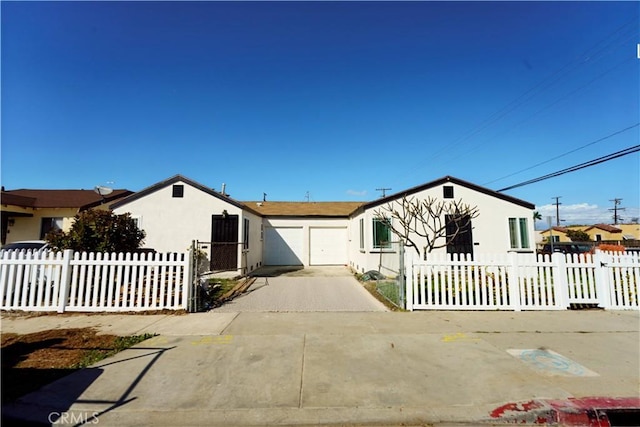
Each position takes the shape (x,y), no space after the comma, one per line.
(519,239)
(376,243)
(361,222)
(245,233)
(54,223)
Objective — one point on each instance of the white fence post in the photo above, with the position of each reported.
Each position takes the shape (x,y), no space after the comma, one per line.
(603,283)
(408,264)
(188,279)
(65,279)
(514,283)
(560,283)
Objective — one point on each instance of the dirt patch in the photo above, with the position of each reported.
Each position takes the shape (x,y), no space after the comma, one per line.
(31,361)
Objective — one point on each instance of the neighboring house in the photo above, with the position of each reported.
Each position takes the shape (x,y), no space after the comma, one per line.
(31,214)
(177,211)
(630,231)
(599,232)
(557,234)
(504,224)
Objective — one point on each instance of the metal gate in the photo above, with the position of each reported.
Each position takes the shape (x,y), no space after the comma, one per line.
(212,259)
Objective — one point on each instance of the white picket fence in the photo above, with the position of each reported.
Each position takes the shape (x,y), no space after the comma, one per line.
(523,281)
(107,282)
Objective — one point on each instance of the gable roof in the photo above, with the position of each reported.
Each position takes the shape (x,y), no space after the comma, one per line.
(445,180)
(81,199)
(556,228)
(305,209)
(8,198)
(175,179)
(605,227)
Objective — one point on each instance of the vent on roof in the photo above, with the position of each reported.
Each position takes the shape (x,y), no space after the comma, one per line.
(178,191)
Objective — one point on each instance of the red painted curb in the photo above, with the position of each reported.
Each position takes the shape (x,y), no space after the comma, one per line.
(585,411)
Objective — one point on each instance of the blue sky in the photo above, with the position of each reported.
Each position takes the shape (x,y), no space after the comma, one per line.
(335,99)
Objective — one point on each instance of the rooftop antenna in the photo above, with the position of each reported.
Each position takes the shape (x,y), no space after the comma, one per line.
(384,191)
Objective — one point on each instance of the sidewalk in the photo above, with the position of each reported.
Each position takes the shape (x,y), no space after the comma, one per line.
(376,368)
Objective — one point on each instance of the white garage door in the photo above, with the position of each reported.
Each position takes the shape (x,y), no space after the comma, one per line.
(283,246)
(328,246)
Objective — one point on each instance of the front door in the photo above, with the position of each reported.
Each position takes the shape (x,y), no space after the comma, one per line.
(224,242)
(459,236)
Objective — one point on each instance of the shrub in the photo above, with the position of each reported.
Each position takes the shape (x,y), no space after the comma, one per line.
(578,236)
(99,231)
(611,248)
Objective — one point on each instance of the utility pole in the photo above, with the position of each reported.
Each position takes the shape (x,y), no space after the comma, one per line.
(615,210)
(384,191)
(557,210)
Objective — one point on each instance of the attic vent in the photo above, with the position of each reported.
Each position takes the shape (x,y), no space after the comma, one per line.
(178,190)
(447,191)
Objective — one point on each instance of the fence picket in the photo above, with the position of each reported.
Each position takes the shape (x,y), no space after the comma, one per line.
(521,282)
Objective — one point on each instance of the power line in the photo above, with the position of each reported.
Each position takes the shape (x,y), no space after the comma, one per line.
(565,154)
(584,165)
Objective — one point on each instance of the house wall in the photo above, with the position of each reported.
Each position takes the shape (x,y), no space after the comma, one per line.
(306,224)
(28,228)
(630,230)
(490,229)
(252,258)
(172,223)
(558,236)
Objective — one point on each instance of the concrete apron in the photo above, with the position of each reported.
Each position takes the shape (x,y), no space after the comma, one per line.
(341,368)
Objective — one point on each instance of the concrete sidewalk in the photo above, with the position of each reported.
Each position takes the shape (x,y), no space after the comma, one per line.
(371,368)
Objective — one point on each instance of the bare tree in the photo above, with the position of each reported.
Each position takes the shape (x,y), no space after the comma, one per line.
(437,222)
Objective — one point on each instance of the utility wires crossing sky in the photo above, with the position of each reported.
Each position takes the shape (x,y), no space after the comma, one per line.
(593,162)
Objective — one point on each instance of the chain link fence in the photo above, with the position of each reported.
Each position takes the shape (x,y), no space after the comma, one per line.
(391,281)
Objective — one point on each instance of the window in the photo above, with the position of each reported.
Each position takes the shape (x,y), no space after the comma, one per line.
(361,234)
(245,234)
(178,191)
(598,237)
(518,233)
(381,233)
(50,224)
(137,220)
(447,192)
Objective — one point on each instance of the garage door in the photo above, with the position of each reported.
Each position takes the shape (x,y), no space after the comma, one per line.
(328,246)
(283,246)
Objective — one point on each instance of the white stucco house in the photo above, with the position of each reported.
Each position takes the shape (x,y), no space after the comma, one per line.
(247,235)
(504,224)
(177,211)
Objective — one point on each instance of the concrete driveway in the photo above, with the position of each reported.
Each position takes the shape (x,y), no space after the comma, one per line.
(297,289)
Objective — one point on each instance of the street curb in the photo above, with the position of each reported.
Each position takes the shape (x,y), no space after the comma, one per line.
(586,411)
